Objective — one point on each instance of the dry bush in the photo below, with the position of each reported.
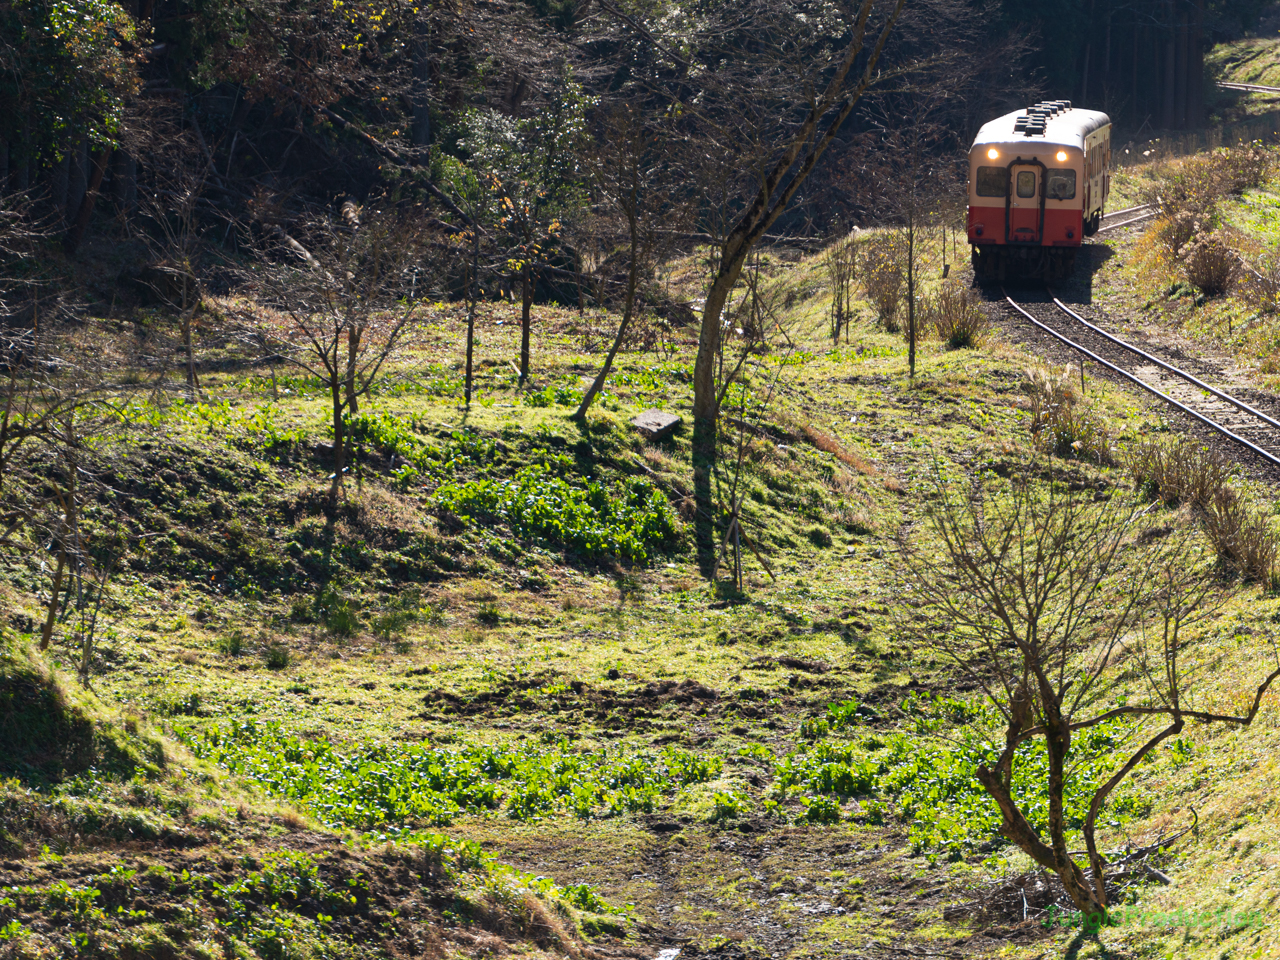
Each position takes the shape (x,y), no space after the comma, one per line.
(1175,230)
(1210,263)
(1180,471)
(1185,472)
(1204,179)
(884,276)
(957,317)
(1048,390)
(1260,287)
(1242,536)
(1242,167)
(1058,424)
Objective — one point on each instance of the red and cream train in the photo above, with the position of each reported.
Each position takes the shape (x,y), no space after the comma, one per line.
(1037,183)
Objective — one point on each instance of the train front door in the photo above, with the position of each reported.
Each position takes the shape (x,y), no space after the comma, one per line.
(1025,210)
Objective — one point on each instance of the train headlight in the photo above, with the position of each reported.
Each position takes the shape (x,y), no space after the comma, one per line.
(993,154)
(1062,156)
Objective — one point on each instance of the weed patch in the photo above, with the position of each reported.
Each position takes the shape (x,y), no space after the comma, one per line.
(385,784)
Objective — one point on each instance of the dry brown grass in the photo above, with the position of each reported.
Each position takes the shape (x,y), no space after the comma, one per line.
(828,443)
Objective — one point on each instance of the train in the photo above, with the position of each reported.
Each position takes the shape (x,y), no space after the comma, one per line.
(1038,182)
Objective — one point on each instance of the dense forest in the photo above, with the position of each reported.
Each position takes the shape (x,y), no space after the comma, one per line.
(272,104)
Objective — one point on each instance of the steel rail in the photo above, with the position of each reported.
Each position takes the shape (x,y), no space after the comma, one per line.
(1239,404)
(1138,219)
(1269,457)
(1247,87)
(1120,213)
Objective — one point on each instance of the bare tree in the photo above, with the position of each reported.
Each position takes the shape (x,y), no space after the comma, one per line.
(1066,617)
(829,99)
(345,307)
(629,170)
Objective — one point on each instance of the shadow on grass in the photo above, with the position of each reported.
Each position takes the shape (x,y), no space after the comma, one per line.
(1087,938)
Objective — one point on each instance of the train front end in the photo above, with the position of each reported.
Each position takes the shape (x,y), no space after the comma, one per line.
(1037,183)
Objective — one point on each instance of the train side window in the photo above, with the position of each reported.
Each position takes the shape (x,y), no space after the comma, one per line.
(1026,183)
(1060,184)
(993,181)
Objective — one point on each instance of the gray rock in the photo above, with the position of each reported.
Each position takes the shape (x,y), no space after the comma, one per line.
(657,424)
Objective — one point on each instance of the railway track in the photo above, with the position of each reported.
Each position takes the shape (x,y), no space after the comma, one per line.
(1247,87)
(1130,215)
(1233,421)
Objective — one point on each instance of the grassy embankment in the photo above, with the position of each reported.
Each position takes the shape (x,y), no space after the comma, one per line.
(288,702)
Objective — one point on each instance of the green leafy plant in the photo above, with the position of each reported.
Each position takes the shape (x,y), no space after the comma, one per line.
(590,520)
(389,784)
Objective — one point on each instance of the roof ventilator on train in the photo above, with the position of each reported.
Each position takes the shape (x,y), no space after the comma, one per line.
(1032,123)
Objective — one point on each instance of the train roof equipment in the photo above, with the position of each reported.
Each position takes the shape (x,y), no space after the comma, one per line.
(1049,121)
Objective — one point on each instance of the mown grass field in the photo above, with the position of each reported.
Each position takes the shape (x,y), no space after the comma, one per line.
(445,719)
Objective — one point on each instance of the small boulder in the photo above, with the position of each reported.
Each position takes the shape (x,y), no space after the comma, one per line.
(657,424)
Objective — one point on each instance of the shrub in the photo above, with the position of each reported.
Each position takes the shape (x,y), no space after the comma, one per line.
(1077,434)
(1058,424)
(390,625)
(1181,471)
(1242,537)
(232,644)
(1203,179)
(841,261)
(337,612)
(1175,230)
(957,317)
(1210,263)
(884,278)
(821,810)
(276,657)
(1260,287)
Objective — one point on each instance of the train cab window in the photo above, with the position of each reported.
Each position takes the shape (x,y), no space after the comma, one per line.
(1026,183)
(993,181)
(1060,184)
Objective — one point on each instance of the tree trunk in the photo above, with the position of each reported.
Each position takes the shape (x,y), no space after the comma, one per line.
(188,343)
(1182,70)
(473,293)
(76,234)
(51,610)
(911,295)
(354,335)
(59,177)
(339,437)
(78,179)
(124,182)
(21,172)
(1168,115)
(1084,83)
(705,405)
(632,273)
(421,84)
(526,302)
(1195,100)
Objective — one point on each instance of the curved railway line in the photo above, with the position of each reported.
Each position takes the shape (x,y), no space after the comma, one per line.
(1252,434)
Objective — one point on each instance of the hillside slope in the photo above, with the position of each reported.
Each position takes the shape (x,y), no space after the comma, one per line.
(487,705)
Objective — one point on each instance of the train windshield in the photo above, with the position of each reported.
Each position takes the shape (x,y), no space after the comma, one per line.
(1060,184)
(1026,183)
(993,181)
